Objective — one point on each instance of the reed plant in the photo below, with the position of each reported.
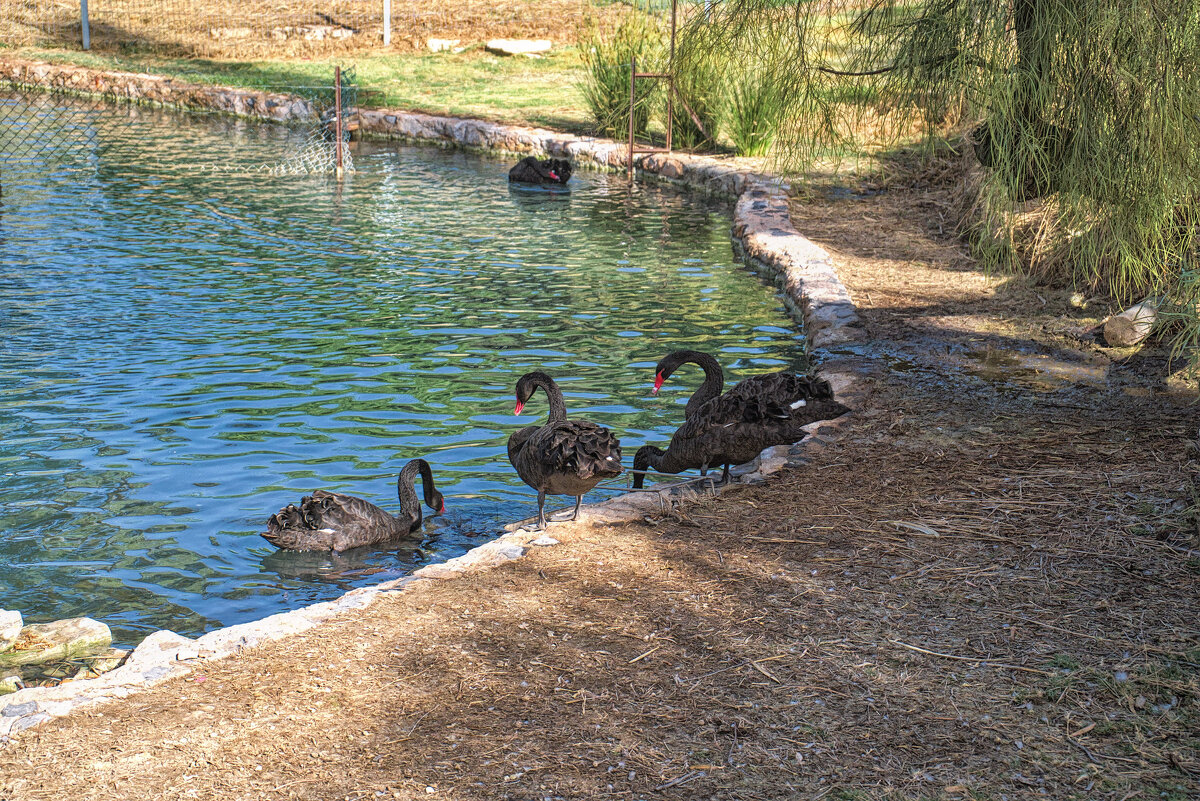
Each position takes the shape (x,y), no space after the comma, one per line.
(700,85)
(608,50)
(755,109)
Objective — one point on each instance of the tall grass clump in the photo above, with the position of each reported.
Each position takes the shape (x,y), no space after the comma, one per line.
(1181,313)
(755,109)
(607,52)
(700,83)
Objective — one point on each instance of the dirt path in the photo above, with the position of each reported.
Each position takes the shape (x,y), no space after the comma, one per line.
(983,590)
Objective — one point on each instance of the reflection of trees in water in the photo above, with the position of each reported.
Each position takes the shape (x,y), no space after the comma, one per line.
(251,338)
(70,559)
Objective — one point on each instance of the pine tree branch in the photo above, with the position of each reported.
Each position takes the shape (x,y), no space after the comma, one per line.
(974,61)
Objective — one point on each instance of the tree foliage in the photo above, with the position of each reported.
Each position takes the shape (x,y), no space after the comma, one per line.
(1085,113)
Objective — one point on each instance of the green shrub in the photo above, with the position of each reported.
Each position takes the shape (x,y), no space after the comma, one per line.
(699,80)
(606,58)
(755,110)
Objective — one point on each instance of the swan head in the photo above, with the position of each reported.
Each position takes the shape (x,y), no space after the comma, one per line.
(672,362)
(528,384)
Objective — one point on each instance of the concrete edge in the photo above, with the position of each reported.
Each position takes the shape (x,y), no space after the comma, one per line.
(763,236)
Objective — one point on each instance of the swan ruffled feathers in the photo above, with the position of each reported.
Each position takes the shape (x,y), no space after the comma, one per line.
(331,521)
(565,456)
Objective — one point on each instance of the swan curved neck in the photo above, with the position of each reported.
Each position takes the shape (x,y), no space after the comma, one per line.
(406,491)
(558,407)
(648,456)
(714,376)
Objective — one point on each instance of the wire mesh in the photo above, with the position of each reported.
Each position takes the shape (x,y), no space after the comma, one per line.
(58,126)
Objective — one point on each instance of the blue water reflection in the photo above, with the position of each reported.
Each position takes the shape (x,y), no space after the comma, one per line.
(186,349)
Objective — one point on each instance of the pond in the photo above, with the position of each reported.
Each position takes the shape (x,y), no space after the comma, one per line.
(190,344)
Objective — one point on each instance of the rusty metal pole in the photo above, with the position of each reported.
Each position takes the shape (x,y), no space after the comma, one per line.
(337,116)
(632,80)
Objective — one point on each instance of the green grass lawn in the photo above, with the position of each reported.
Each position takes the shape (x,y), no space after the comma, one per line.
(473,83)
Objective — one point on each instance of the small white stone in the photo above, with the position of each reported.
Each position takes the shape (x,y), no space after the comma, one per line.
(515,47)
(10,628)
(544,540)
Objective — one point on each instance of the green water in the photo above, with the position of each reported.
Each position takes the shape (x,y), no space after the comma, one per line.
(185,350)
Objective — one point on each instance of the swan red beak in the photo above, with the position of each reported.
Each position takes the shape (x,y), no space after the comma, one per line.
(553,175)
(658,382)
(442,511)
(520,405)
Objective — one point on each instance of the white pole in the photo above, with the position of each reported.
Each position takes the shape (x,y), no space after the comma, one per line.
(387,22)
(87,30)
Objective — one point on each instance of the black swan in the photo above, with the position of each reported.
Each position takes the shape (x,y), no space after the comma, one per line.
(531,170)
(563,457)
(733,428)
(330,521)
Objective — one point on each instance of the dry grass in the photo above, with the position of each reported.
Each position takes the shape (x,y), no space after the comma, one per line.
(227,29)
(987,588)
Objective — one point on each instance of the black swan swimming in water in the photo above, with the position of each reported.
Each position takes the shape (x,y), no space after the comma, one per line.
(330,521)
(563,457)
(733,428)
(531,170)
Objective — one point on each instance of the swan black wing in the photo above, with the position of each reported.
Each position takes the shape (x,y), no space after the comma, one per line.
(579,447)
(340,512)
(768,400)
(330,521)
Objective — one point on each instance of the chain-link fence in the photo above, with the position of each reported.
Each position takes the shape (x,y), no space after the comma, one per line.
(57,126)
(282,28)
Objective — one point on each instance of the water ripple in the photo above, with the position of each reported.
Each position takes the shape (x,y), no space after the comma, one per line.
(186,351)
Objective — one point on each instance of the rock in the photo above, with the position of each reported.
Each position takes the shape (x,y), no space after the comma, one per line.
(544,541)
(107,661)
(518,47)
(1131,326)
(442,45)
(10,684)
(57,641)
(17,710)
(159,648)
(10,628)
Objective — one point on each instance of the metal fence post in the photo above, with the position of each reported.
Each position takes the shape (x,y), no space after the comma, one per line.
(337,104)
(387,22)
(87,29)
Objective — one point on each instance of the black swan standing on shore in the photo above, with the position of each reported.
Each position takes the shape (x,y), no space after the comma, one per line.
(563,457)
(531,170)
(330,521)
(733,428)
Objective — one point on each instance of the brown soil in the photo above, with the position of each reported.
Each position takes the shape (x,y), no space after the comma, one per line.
(985,588)
(241,29)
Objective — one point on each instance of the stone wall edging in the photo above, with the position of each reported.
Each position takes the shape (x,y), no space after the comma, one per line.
(762,234)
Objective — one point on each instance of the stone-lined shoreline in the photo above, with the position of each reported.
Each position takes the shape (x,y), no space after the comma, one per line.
(763,236)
